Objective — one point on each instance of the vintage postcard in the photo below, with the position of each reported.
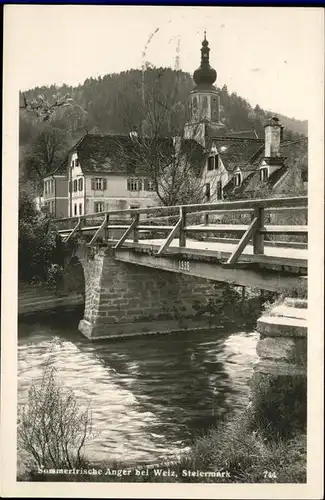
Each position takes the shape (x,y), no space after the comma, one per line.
(162,283)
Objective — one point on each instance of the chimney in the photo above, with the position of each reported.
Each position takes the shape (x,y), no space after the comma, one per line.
(273,136)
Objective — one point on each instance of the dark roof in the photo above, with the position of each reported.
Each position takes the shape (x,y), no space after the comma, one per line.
(214,131)
(290,150)
(239,151)
(123,154)
(253,182)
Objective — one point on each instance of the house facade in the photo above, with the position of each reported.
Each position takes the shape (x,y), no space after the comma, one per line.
(100,177)
(55,195)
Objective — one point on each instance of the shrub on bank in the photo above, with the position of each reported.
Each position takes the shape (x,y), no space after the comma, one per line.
(250,456)
(39,245)
(52,427)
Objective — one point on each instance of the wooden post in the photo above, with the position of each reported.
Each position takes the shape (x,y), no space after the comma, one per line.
(107,232)
(182,235)
(135,231)
(258,238)
(81,225)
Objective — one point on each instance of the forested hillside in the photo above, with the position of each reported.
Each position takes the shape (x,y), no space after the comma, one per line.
(155,102)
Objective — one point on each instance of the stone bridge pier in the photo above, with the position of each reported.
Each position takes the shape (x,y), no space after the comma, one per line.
(123,299)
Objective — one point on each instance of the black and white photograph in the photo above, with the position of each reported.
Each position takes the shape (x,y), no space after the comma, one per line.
(162,285)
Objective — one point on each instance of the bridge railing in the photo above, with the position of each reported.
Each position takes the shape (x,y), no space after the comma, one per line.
(180,222)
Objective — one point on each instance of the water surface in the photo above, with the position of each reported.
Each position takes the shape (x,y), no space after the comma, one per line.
(150,395)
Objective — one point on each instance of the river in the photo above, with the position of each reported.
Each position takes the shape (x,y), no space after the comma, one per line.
(150,395)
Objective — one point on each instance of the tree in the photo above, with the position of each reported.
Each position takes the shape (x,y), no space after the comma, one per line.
(40,255)
(42,107)
(173,165)
(46,153)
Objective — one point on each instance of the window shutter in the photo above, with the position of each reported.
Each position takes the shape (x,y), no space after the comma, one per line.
(93,184)
(104,184)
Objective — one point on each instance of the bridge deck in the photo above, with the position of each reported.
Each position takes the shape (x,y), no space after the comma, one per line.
(273,255)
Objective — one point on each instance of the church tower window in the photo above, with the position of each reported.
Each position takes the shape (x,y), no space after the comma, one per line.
(194,108)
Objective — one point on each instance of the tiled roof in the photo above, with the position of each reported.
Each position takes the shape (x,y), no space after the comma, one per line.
(290,150)
(239,151)
(217,131)
(122,154)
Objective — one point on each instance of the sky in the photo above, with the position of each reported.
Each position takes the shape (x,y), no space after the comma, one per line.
(269,56)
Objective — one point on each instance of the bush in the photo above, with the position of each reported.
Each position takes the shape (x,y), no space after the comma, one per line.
(52,427)
(247,454)
(39,242)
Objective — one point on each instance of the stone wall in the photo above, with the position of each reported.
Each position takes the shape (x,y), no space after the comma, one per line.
(279,384)
(125,299)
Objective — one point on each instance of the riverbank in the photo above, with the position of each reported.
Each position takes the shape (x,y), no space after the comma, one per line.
(36,298)
(231,453)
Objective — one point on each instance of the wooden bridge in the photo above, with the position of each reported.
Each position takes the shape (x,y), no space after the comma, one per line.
(240,242)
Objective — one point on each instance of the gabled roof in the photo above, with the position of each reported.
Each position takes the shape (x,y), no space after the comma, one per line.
(290,150)
(238,151)
(116,154)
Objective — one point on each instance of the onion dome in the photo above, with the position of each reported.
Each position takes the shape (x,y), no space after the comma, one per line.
(205,75)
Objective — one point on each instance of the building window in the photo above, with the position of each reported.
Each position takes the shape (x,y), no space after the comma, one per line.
(148,185)
(80,184)
(219,190)
(77,162)
(263,174)
(75,186)
(80,208)
(53,207)
(238,179)
(134,184)
(98,184)
(45,187)
(207,191)
(72,163)
(99,206)
(205,105)
(211,163)
(75,209)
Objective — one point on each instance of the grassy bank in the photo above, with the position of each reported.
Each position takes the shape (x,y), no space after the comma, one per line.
(231,453)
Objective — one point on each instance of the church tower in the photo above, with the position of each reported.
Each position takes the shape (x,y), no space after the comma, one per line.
(204,98)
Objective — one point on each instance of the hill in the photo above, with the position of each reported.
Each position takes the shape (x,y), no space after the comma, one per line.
(115,103)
